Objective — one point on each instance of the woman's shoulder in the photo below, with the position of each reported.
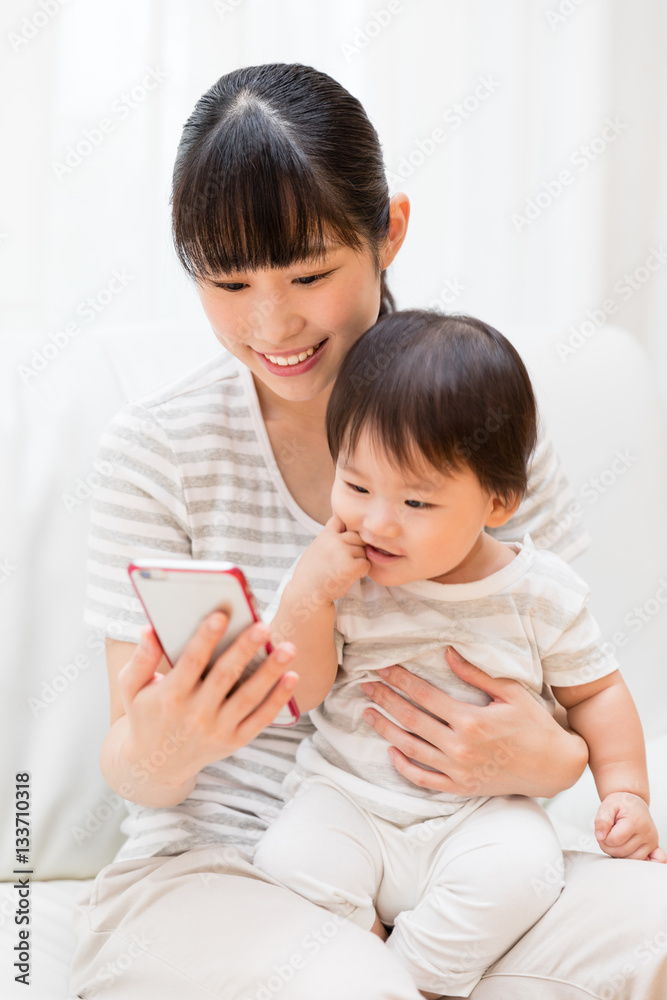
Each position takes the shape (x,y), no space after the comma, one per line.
(212,394)
(550,510)
(220,374)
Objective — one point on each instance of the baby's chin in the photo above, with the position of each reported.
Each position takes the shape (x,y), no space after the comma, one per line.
(391,576)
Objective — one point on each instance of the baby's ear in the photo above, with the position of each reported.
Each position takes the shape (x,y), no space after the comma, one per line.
(501,510)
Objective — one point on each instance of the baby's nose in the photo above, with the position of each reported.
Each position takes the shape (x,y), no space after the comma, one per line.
(382,521)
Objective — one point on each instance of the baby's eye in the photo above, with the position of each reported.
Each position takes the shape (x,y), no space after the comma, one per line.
(230,286)
(417,504)
(357,489)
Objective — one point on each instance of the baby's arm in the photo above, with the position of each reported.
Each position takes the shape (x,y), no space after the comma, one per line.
(325,571)
(604,713)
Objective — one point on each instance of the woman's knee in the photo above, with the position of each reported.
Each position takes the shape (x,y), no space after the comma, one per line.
(344,961)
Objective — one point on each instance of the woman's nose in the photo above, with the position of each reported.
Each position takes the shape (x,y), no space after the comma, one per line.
(273,320)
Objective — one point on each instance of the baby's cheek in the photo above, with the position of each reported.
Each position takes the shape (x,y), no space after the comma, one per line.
(340,508)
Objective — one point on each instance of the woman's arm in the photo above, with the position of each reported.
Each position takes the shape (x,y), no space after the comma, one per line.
(166,725)
(512,746)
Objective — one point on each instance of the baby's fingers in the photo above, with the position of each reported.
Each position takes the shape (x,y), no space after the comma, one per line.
(335,523)
(605,819)
(658,855)
(620,834)
(635,848)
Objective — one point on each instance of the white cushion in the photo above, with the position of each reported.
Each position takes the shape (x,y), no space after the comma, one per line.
(51,940)
(55,705)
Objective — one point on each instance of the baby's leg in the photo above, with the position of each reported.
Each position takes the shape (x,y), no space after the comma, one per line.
(489,881)
(324,848)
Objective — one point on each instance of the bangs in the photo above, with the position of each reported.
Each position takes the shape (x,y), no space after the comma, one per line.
(248,198)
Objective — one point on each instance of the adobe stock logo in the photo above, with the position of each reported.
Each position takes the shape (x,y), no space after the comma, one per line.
(581,159)
(121,109)
(31,26)
(365,33)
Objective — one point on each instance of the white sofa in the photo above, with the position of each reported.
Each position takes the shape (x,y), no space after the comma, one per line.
(608,422)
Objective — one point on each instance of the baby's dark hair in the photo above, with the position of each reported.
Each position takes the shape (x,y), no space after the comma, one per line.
(274,162)
(447,389)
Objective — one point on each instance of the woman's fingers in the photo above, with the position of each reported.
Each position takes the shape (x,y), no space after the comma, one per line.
(493,686)
(140,669)
(265,713)
(251,693)
(433,780)
(196,655)
(229,666)
(412,718)
(410,743)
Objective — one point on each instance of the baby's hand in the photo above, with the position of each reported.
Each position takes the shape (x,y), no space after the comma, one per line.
(624,828)
(332,562)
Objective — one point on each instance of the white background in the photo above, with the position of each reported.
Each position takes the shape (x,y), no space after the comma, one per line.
(558,71)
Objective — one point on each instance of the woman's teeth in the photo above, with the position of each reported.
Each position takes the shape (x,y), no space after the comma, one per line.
(293,359)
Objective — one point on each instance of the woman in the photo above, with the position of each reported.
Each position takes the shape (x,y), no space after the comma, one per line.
(281,214)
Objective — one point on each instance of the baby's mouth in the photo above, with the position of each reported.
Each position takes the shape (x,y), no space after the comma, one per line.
(374,554)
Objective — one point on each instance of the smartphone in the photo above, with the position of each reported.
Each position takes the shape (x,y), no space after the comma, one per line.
(178,594)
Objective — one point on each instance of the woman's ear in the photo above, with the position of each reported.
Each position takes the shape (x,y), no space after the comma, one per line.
(399,216)
(500,511)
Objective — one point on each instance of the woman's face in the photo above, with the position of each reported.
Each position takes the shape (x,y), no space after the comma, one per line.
(293,326)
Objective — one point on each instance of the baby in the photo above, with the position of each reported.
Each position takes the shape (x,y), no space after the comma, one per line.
(432,422)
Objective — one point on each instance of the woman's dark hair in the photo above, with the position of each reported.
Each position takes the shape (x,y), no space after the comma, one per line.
(447,389)
(274,161)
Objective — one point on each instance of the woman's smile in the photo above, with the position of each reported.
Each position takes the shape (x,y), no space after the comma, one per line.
(293,362)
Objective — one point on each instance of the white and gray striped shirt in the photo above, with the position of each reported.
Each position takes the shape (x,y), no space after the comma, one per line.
(191,474)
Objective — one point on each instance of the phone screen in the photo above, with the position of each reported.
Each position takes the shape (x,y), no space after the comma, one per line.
(177,600)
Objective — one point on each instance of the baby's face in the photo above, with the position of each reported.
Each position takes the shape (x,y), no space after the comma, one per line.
(414,527)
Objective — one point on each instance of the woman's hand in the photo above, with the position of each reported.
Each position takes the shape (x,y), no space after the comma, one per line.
(512,746)
(177,723)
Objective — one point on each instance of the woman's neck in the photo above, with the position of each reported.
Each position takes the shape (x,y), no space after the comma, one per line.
(297,433)
(309,413)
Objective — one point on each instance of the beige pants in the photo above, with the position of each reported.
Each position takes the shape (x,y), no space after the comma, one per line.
(202,925)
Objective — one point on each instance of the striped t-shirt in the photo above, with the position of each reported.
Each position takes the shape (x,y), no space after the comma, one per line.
(191,474)
(527,621)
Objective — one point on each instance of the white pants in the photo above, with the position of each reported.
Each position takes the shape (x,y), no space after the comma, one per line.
(458,893)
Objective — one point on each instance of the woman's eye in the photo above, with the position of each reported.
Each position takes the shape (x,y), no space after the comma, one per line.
(416,504)
(311,279)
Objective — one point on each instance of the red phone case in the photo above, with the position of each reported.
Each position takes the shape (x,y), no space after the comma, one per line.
(252,605)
